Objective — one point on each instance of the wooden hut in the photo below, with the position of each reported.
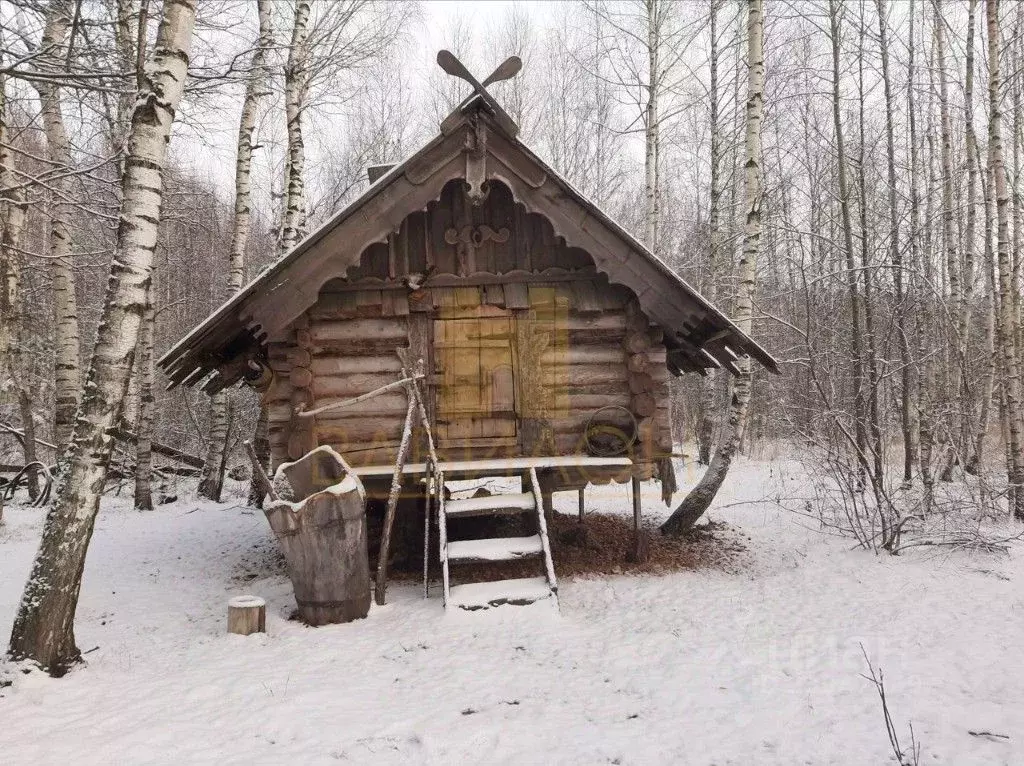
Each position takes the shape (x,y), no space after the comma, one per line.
(534,312)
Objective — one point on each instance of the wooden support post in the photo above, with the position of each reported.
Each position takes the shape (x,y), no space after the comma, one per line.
(260,476)
(380,588)
(640,551)
(247,615)
(581,504)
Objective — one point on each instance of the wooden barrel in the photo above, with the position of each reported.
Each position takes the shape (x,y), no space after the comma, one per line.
(324,540)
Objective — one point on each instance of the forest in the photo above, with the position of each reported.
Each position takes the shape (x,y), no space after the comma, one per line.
(842,179)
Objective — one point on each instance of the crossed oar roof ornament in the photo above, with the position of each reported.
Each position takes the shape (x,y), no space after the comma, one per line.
(508,69)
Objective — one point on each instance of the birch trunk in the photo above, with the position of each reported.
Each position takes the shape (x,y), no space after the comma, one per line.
(954,370)
(874,423)
(700,497)
(895,251)
(973,167)
(988,381)
(851,265)
(212,482)
(293,222)
(67,365)
(1007,318)
(708,420)
(144,427)
(13,368)
(296,87)
(652,128)
(44,627)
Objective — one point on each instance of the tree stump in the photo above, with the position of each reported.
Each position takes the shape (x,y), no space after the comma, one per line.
(323,536)
(247,615)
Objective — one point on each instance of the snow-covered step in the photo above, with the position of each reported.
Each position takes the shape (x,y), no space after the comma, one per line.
(495,548)
(482,595)
(490,504)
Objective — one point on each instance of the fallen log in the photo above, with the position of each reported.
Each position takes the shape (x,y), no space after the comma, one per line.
(123,435)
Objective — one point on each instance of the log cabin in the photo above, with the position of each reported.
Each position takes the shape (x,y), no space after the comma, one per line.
(541,323)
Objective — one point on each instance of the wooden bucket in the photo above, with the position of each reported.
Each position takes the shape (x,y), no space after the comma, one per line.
(323,536)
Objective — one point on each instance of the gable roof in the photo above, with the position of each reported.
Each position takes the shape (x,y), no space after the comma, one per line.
(698,336)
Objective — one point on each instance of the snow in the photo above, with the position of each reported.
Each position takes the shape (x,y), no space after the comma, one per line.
(519,592)
(494,548)
(758,662)
(475,505)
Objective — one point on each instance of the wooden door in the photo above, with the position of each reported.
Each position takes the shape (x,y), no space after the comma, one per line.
(475,382)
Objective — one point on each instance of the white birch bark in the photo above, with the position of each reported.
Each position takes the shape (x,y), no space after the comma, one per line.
(67,365)
(708,416)
(14,377)
(144,425)
(296,88)
(1007,318)
(700,497)
(44,627)
(895,251)
(652,128)
(212,482)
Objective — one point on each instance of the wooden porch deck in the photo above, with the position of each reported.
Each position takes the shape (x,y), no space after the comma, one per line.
(494,466)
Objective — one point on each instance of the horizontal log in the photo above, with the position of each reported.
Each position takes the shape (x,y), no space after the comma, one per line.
(584,374)
(354,365)
(385,404)
(576,422)
(614,387)
(351,385)
(359,329)
(364,347)
(361,431)
(583,355)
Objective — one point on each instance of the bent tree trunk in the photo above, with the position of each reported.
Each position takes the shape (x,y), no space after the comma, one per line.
(700,497)
(44,626)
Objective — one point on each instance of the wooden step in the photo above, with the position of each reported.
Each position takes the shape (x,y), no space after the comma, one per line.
(483,595)
(495,549)
(490,504)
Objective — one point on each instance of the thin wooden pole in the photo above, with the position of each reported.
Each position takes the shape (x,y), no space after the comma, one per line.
(259,473)
(581,505)
(637,543)
(434,482)
(380,588)
(349,402)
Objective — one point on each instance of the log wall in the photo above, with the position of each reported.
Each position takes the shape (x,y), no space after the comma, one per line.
(580,343)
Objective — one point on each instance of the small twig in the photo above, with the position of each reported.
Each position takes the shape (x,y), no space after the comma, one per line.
(988,734)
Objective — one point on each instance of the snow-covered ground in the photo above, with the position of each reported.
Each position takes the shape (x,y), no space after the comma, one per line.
(760,664)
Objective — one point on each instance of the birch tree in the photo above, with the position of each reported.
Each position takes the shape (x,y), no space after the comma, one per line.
(213,471)
(67,374)
(700,497)
(44,626)
(708,419)
(895,249)
(1007,320)
(13,216)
